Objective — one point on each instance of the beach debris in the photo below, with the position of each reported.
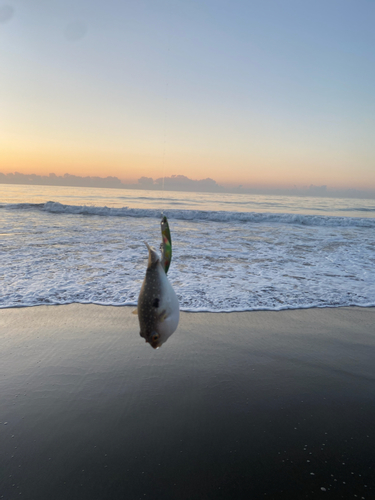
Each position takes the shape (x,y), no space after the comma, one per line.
(158,308)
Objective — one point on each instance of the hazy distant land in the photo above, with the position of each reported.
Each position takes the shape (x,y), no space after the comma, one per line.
(178,183)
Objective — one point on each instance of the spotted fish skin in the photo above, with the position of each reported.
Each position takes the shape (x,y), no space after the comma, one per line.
(158,308)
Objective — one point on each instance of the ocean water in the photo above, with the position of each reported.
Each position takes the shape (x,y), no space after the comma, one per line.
(61,245)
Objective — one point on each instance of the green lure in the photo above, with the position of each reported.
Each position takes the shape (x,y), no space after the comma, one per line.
(166,245)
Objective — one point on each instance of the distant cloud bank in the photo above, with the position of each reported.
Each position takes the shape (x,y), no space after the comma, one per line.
(177,183)
(62,180)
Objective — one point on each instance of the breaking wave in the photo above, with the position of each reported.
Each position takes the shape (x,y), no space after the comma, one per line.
(198,215)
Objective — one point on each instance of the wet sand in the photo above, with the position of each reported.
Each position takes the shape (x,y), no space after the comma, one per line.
(241,405)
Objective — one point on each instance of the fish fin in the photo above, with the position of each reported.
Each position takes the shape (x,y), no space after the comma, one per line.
(153,257)
(135,311)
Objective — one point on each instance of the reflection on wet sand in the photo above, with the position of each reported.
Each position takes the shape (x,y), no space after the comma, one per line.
(242,405)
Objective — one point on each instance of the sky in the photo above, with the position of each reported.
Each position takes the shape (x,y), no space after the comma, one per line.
(250,92)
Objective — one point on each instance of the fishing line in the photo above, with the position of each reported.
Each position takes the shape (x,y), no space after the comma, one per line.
(165,114)
(166,245)
(165,133)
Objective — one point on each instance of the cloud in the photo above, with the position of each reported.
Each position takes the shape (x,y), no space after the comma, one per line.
(146,182)
(179,183)
(65,180)
(183,183)
(173,183)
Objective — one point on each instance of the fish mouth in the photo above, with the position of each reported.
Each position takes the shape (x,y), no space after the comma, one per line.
(154,345)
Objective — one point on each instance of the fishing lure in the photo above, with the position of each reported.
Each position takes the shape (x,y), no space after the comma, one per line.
(166,245)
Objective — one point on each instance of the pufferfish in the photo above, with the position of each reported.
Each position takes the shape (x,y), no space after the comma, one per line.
(158,308)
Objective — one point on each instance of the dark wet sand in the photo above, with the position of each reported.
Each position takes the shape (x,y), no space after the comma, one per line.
(241,405)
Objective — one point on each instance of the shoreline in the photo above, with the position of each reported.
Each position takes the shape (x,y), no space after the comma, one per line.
(236,311)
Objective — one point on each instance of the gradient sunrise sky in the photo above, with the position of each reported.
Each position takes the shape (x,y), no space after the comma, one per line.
(255,92)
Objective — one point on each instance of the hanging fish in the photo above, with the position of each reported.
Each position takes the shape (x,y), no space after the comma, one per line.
(166,245)
(158,308)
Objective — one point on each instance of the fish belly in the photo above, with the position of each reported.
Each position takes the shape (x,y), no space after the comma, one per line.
(169,304)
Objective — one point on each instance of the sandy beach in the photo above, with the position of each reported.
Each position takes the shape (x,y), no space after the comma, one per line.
(238,405)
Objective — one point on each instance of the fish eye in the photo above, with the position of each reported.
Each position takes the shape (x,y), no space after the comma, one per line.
(155,337)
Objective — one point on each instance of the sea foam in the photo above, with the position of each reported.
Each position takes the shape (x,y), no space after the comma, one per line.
(54,253)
